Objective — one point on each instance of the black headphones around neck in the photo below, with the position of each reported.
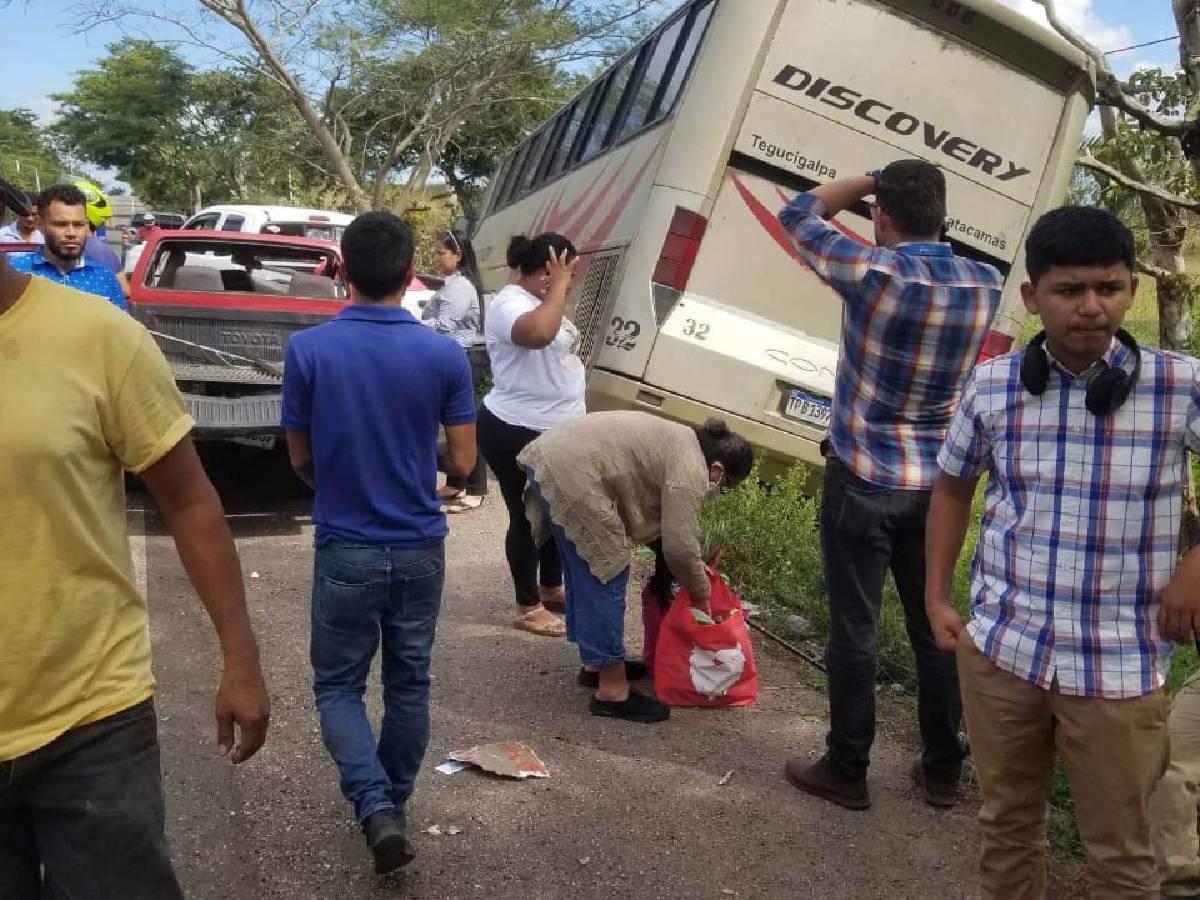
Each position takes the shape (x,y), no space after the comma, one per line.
(1105,392)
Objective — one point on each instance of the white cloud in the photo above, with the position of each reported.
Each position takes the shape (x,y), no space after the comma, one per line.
(1079,15)
(1125,69)
(45,109)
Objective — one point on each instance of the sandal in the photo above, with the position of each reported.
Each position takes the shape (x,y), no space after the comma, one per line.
(449,494)
(541,621)
(635,708)
(465,503)
(554,599)
(635,669)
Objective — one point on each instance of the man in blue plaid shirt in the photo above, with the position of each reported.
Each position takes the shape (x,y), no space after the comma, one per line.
(1084,436)
(914,319)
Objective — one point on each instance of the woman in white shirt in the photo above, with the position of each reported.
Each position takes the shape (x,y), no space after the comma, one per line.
(455,312)
(537,383)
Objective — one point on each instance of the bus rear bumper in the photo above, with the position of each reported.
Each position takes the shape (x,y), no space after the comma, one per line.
(779,449)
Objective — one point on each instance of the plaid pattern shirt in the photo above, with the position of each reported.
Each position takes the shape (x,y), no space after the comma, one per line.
(1081,520)
(913,322)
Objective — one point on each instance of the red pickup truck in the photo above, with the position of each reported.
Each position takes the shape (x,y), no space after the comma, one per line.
(222,305)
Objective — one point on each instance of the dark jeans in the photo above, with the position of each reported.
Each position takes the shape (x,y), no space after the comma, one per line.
(501,443)
(87,810)
(476,483)
(865,530)
(360,594)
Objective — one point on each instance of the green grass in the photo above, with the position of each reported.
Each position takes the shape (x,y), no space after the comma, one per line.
(772,555)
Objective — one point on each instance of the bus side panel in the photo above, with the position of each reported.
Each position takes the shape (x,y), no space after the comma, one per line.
(599,208)
(701,136)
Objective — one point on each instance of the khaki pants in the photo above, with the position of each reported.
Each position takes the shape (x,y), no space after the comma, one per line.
(1173,809)
(1114,751)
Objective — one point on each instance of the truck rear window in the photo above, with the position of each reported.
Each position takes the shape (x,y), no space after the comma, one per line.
(246,268)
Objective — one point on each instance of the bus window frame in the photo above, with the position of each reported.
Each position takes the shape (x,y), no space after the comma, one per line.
(511,189)
(681,43)
(631,60)
(558,124)
(617,126)
(563,161)
(589,119)
(538,145)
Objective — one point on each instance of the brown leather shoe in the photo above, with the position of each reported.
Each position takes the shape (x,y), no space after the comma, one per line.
(942,794)
(820,780)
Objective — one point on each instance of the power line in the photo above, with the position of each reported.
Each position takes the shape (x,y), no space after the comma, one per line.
(1173,37)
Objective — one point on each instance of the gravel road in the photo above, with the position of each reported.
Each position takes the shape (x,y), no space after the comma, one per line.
(628,810)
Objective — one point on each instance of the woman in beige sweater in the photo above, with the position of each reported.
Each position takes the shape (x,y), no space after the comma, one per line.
(601,483)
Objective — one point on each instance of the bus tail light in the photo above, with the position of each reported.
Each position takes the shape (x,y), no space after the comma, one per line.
(676,259)
(995,344)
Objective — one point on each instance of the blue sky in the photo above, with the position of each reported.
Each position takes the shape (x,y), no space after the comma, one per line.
(43,48)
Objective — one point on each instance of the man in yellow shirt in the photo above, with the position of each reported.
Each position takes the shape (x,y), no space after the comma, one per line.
(84,395)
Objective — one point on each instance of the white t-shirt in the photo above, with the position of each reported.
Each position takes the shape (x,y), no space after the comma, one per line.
(535,389)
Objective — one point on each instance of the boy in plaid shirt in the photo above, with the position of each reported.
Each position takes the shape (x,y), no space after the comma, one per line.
(1075,594)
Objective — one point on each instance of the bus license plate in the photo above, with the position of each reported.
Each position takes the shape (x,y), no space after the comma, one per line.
(807,408)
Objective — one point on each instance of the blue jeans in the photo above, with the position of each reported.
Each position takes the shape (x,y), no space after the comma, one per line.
(362,592)
(595,609)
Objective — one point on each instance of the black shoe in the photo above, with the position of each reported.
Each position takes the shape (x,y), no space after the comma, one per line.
(385,831)
(942,794)
(635,708)
(820,780)
(635,670)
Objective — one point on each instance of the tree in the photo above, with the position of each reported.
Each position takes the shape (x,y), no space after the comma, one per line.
(126,114)
(1150,148)
(180,136)
(475,151)
(399,80)
(27,154)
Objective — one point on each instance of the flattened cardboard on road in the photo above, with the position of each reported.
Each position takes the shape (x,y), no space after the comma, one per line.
(511,759)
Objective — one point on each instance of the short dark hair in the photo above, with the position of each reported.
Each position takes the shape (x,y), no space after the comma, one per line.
(66,194)
(1077,236)
(913,193)
(377,248)
(532,255)
(720,445)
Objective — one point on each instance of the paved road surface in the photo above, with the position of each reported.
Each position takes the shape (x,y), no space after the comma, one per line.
(628,810)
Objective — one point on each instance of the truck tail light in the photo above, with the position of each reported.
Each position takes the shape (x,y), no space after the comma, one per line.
(995,344)
(676,259)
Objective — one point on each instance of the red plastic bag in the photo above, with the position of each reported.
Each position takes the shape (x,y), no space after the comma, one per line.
(697,664)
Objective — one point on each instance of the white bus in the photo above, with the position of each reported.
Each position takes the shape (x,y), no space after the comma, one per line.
(668,170)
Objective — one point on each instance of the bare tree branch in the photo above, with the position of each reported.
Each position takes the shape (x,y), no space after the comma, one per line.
(1087,161)
(1148,268)
(1111,91)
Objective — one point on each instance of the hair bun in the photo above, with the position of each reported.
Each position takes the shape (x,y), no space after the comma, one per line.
(716,427)
(518,248)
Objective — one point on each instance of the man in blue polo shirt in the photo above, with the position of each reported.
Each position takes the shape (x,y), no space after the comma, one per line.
(63,217)
(364,397)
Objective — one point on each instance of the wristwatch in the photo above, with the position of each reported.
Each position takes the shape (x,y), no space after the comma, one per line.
(874,176)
